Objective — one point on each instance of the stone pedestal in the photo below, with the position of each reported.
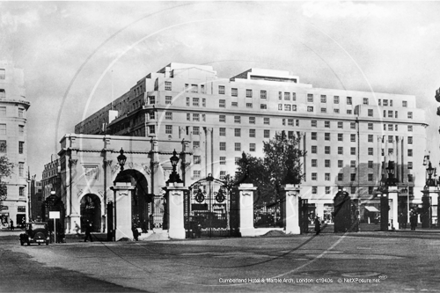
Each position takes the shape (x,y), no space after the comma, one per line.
(393,194)
(122,205)
(247,209)
(175,201)
(292,209)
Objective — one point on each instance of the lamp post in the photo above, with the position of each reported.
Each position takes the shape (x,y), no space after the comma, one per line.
(121,161)
(384,199)
(209,178)
(430,182)
(174,176)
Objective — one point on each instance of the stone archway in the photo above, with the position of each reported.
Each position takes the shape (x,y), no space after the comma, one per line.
(90,209)
(140,196)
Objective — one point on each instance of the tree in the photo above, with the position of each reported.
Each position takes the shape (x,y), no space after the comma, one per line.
(281,165)
(6,168)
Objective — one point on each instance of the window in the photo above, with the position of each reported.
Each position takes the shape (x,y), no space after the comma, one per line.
(340,177)
(222,160)
(188,116)
(314,123)
(237,147)
(248,105)
(353,190)
(194,88)
(314,176)
(327,163)
(248,93)
(168,129)
(2,94)
(352,125)
(327,136)
(251,120)
(21,169)
(197,160)
(314,163)
(410,115)
(21,193)
(370,164)
(283,122)
(3,146)
(237,132)
(195,102)
(379,102)
(280,107)
(340,150)
(222,175)
(263,106)
(237,119)
(151,129)
(410,139)
(310,98)
(20,113)
(353,177)
(234,92)
(404,104)
(349,112)
(203,117)
(340,124)
(287,96)
(287,107)
(196,117)
(314,149)
(221,89)
(168,115)
(370,177)
(327,190)
(290,134)
(390,138)
(390,127)
(263,94)
(234,104)
(222,103)
(352,164)
(410,128)
(370,112)
(293,96)
(196,144)
(410,152)
(353,137)
(390,114)
(222,146)
(391,103)
(349,101)
(353,151)
(340,163)
(168,100)
(266,133)
(222,118)
(203,102)
(336,110)
(222,131)
(152,100)
(314,135)
(202,89)
(309,108)
(252,147)
(340,137)
(280,96)
(327,176)
(365,101)
(168,86)
(370,126)
(323,99)
(196,173)
(251,132)
(188,101)
(266,121)
(327,150)
(327,124)
(196,130)
(410,165)
(410,178)
(314,189)
(370,138)
(294,108)
(2,73)
(336,100)
(3,129)
(20,147)
(323,110)
(370,151)
(290,122)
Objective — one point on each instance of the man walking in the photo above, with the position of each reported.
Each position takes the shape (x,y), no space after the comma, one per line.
(88,230)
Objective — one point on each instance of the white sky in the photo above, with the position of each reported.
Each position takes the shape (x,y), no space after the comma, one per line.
(69,49)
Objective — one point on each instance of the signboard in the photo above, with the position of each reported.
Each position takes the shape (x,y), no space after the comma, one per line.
(54,215)
(3,208)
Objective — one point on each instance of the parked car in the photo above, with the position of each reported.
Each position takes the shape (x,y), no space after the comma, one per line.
(35,233)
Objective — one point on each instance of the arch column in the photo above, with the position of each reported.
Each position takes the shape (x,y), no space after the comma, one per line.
(247,209)
(122,210)
(292,208)
(175,211)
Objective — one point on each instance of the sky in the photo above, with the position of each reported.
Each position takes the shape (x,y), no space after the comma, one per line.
(79,56)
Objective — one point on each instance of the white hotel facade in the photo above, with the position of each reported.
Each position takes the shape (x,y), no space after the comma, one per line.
(347,135)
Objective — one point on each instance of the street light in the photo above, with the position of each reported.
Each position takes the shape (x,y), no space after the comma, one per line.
(210,178)
(426,205)
(174,176)
(122,159)
(384,197)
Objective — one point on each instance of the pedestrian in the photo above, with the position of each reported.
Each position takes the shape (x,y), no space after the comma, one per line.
(23,222)
(88,230)
(77,228)
(317,226)
(144,226)
(151,221)
(11,224)
(135,233)
(413,220)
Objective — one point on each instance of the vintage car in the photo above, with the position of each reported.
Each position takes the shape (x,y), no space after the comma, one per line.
(35,233)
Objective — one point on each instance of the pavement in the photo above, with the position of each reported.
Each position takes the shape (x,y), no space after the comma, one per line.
(368,261)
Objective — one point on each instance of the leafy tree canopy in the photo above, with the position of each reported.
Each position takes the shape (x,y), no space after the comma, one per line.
(6,168)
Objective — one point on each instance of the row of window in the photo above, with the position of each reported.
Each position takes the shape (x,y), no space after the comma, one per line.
(340,137)
(353,164)
(340,177)
(340,150)
(353,189)
(3,129)
(3,147)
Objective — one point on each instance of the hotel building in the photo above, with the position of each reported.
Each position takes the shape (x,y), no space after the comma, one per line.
(347,134)
(13,108)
